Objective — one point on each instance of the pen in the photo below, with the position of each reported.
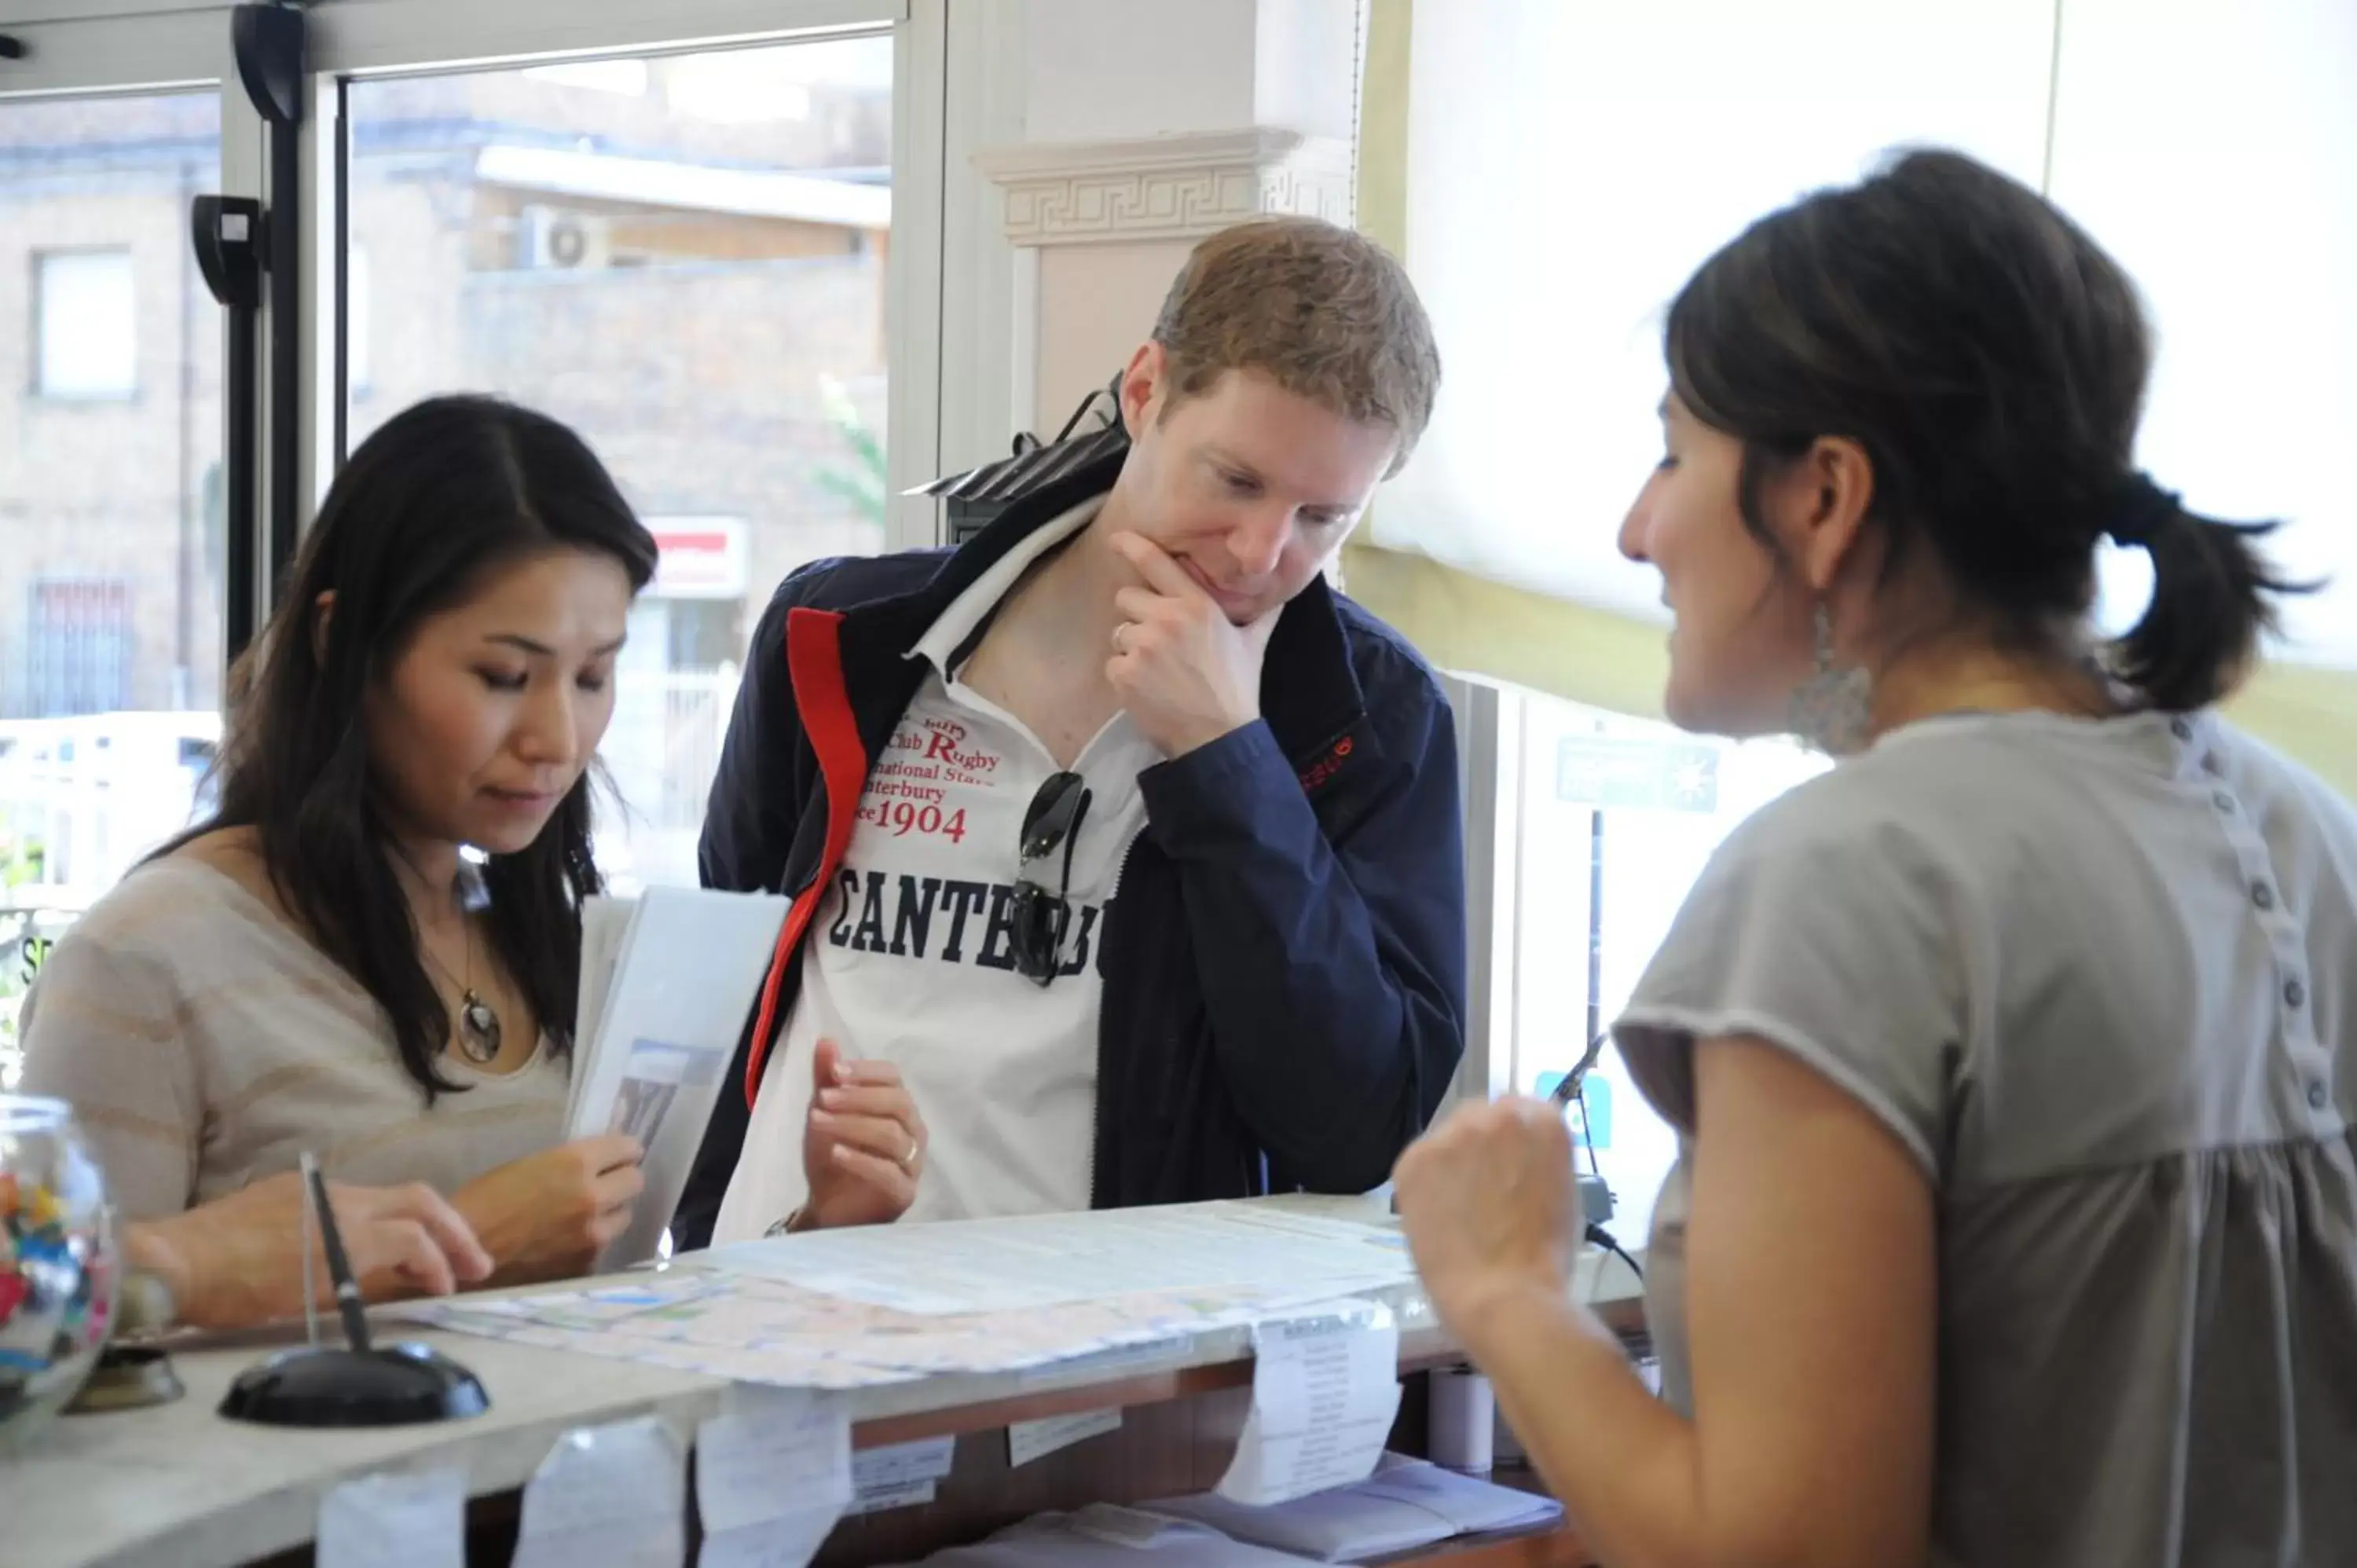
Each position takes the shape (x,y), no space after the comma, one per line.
(339,1267)
(1568,1090)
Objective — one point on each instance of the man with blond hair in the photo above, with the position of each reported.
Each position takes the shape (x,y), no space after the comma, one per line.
(1125,853)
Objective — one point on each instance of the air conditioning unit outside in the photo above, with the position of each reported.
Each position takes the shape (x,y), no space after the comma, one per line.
(551,237)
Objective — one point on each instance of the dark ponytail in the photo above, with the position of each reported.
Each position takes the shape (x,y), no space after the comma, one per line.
(1991,358)
(2213,594)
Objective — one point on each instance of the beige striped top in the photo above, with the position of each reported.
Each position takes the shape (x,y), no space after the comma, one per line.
(204,1045)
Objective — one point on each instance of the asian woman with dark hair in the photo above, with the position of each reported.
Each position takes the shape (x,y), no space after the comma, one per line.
(372,949)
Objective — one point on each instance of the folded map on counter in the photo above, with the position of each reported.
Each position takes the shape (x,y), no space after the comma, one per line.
(893,1302)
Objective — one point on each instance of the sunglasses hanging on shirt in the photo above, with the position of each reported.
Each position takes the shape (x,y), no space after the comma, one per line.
(1052,821)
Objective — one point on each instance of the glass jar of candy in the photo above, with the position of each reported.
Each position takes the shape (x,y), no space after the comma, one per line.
(58,1267)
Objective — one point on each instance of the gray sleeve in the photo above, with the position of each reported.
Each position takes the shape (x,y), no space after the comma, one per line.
(102,1031)
(1837,945)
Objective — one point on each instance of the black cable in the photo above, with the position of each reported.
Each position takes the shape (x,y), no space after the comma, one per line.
(1599,1237)
(1587,1135)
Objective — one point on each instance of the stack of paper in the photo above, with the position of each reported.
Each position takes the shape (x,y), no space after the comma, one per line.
(666,983)
(1406,1504)
(1102,1535)
(1474,1506)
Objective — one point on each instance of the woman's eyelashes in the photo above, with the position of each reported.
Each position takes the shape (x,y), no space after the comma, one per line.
(513,681)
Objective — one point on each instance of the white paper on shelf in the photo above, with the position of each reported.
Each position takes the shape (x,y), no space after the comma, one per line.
(880,1469)
(1029,1439)
(1325,1390)
(902,1476)
(415,1520)
(1338,1526)
(1472,1506)
(1406,1504)
(906,1495)
(1027,1262)
(606,1496)
(772,1452)
(788,1543)
(1136,1528)
(690,964)
(1104,1534)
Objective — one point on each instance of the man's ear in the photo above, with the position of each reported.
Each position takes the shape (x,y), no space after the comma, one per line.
(1142,387)
(323,610)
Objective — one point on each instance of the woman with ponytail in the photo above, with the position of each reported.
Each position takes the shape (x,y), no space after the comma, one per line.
(2014,1058)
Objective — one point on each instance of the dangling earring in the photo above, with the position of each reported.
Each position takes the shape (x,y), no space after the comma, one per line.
(1833,709)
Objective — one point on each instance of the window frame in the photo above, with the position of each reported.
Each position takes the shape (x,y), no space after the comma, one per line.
(950,310)
(358,40)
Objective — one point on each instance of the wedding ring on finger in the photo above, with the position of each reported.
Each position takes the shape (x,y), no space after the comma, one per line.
(909,1160)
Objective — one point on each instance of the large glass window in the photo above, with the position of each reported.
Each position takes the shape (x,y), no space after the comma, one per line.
(684,257)
(1605,823)
(111,527)
(85,308)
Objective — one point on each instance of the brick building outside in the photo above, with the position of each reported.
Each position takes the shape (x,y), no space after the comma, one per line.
(682,257)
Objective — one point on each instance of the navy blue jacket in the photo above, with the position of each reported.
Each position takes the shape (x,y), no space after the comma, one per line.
(1283,962)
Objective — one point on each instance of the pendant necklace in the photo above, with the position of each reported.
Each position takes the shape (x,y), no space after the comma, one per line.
(479,1022)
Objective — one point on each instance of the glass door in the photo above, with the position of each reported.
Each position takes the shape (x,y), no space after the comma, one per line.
(698,230)
(684,256)
(112,533)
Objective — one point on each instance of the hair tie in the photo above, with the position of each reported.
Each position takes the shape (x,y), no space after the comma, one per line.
(2143,509)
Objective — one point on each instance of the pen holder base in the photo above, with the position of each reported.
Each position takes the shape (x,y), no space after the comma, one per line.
(390,1385)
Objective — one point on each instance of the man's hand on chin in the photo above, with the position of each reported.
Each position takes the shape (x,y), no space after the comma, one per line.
(1186,674)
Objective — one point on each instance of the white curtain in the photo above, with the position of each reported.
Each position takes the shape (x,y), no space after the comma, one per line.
(1572,161)
(2212,146)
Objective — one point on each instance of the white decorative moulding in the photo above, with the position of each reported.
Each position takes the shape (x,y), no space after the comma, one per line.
(1166,187)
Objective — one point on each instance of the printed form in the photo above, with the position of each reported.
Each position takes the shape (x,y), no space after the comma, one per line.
(1325,1390)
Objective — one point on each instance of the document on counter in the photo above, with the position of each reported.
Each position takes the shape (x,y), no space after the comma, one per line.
(1028,1263)
(1325,1390)
(772,1476)
(606,1496)
(666,983)
(397,1520)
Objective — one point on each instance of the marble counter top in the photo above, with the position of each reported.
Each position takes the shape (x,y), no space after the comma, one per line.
(180,1487)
